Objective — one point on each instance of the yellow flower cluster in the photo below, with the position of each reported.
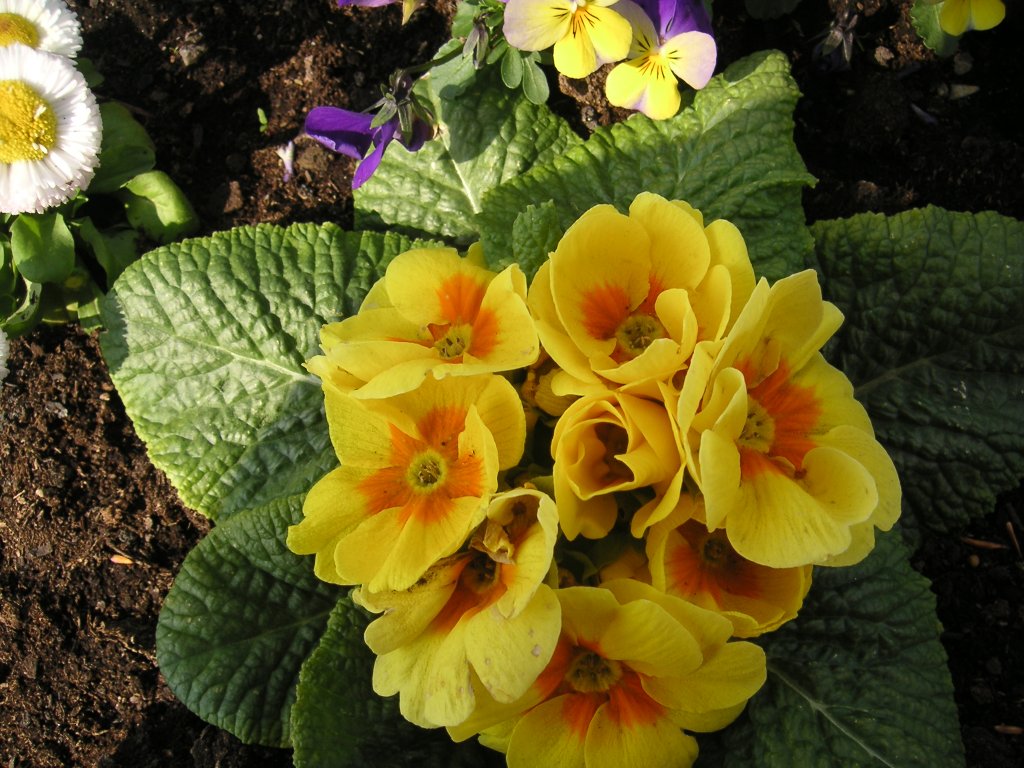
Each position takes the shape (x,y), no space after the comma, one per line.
(703,458)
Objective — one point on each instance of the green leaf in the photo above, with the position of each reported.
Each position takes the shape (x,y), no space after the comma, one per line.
(126,150)
(512,68)
(858,680)
(158,207)
(27,314)
(730,154)
(535,82)
(242,616)
(535,234)
(114,250)
(934,343)
(44,251)
(206,346)
(339,722)
(487,135)
(925,16)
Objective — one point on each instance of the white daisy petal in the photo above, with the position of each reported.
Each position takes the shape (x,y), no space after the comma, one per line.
(51,23)
(38,171)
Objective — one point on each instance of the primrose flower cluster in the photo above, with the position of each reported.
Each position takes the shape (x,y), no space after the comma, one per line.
(657,42)
(567,502)
(50,128)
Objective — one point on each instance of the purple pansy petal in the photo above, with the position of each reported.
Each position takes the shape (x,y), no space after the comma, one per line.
(384,136)
(422,132)
(673,17)
(341,130)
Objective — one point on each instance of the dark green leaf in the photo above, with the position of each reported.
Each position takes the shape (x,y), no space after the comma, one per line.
(126,150)
(158,207)
(43,248)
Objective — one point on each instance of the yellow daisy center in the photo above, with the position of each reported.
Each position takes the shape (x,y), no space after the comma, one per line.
(28,126)
(590,673)
(427,471)
(17,29)
(759,432)
(636,333)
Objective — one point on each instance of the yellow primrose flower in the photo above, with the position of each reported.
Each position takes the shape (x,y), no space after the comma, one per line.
(609,443)
(625,298)
(959,16)
(785,457)
(416,472)
(432,314)
(483,612)
(688,561)
(586,33)
(633,667)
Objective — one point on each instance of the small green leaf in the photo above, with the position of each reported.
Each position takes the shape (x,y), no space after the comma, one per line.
(858,680)
(44,250)
(8,274)
(92,76)
(488,135)
(242,616)
(206,345)
(27,314)
(934,344)
(535,234)
(925,16)
(158,207)
(535,82)
(126,150)
(730,154)
(339,722)
(113,250)
(512,68)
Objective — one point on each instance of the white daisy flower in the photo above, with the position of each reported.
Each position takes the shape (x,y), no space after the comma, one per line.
(46,25)
(50,130)
(5,350)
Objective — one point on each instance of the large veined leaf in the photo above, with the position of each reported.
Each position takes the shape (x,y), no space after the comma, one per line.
(487,135)
(858,680)
(339,722)
(242,616)
(730,154)
(206,344)
(934,343)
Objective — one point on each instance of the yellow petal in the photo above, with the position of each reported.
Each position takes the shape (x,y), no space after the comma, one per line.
(729,676)
(612,743)
(551,735)
(534,25)
(642,85)
(692,57)
(679,251)
(986,14)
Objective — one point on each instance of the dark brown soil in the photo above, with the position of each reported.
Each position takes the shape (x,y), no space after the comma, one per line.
(91,535)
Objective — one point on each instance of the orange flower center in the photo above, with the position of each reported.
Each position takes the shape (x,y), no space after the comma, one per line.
(706,564)
(636,333)
(427,471)
(590,673)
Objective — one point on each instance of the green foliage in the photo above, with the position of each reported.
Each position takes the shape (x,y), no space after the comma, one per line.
(242,616)
(486,136)
(730,154)
(338,721)
(934,343)
(43,249)
(925,16)
(57,264)
(859,680)
(206,346)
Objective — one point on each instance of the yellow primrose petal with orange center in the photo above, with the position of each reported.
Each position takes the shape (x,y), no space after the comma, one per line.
(585,33)
(959,16)
(611,443)
(432,314)
(482,615)
(416,471)
(624,298)
(701,567)
(632,665)
(785,457)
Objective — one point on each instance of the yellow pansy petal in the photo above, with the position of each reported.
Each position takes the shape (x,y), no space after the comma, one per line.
(574,55)
(642,85)
(535,25)
(955,17)
(609,32)
(986,14)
